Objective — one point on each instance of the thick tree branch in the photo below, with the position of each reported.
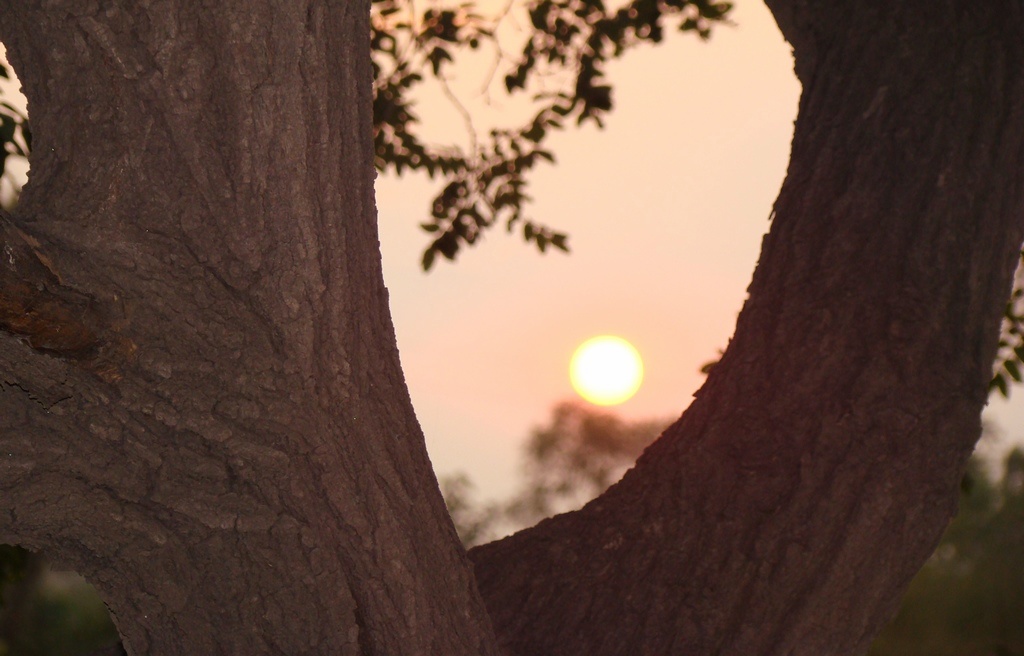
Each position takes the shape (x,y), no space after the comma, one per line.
(255,480)
(790,505)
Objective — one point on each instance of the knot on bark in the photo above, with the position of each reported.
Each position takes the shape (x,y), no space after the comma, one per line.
(51,317)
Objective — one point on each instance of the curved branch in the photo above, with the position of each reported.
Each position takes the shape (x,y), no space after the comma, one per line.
(787,509)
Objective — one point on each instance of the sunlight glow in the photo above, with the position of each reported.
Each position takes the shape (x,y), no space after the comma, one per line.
(606,370)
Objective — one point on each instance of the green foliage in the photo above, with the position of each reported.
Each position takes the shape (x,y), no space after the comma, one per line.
(50,613)
(13,568)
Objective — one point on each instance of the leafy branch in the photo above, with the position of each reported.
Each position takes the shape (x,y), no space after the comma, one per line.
(1009,362)
(568,41)
(560,66)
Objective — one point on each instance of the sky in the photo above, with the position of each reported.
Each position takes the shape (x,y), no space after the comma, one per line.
(665,208)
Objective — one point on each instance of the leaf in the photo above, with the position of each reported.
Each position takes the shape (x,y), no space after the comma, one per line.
(1012,369)
(428,258)
(437,57)
(998,382)
(538,16)
(8,126)
(448,244)
(535,133)
(562,110)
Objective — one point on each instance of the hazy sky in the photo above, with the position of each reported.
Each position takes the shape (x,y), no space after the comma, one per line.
(666,208)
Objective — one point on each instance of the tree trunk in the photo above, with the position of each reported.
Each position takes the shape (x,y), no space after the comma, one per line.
(202,409)
(788,508)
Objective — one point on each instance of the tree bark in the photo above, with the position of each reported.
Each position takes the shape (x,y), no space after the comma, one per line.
(787,509)
(202,408)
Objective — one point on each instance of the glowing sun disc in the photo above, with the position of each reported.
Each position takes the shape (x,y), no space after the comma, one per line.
(606,370)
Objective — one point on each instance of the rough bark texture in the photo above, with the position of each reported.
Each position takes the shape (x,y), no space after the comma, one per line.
(787,509)
(201,408)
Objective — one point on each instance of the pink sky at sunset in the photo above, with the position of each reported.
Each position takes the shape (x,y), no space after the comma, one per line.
(666,208)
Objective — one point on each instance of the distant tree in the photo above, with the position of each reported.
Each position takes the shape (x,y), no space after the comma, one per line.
(475,521)
(576,457)
(56,614)
(569,461)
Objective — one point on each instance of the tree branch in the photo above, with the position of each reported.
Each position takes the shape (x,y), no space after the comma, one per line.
(787,509)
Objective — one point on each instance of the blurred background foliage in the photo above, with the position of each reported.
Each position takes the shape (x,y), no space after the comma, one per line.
(567,462)
(968,600)
(50,613)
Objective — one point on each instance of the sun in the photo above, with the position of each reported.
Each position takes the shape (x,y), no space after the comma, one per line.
(606,370)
